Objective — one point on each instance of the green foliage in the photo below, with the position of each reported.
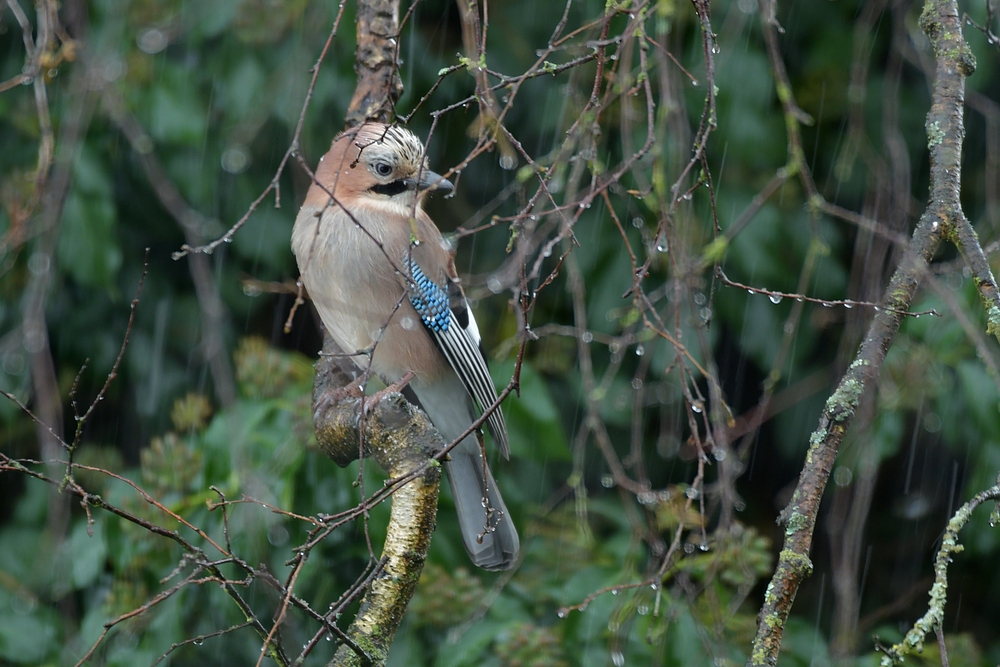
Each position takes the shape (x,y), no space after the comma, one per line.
(88,247)
(213,92)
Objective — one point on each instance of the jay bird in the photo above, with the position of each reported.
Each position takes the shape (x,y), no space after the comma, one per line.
(383,281)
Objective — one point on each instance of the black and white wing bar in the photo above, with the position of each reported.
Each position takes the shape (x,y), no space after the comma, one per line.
(467,361)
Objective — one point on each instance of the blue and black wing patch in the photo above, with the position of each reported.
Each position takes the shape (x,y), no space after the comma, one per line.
(454,331)
(430,301)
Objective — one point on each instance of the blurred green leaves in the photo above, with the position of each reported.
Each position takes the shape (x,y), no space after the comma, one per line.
(217,89)
(88,242)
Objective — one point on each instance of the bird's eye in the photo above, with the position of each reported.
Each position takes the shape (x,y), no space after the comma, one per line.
(383,169)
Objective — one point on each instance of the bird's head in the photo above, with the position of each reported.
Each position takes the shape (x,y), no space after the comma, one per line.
(381,165)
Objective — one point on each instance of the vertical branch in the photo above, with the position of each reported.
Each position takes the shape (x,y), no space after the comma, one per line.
(398,436)
(53,188)
(379,85)
(940,20)
(401,439)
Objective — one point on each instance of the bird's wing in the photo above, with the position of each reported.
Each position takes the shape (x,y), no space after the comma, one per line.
(448,318)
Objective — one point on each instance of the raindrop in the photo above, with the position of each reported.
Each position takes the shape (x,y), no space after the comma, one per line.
(14,363)
(775,299)
(508,162)
(848,305)
(751,292)
(329,638)
(637,223)
(562,613)
(699,298)
(407,323)
(607,481)
(739,506)
(799,299)
(692,493)
(277,535)
(640,350)
(661,242)
(547,252)
(587,337)
(235,159)
(615,591)
(704,546)
(613,626)
(654,586)
(932,422)
(636,383)
(34,340)
(827,304)
(719,454)
(614,347)
(494,285)
(199,641)
(646,498)
(152,41)
(617,658)
(696,408)
(642,609)
(113,69)
(843,476)
(706,314)
(688,548)
(39,263)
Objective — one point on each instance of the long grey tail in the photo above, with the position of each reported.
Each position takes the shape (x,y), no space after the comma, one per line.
(487,529)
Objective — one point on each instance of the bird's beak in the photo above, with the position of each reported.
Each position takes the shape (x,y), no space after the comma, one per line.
(431,181)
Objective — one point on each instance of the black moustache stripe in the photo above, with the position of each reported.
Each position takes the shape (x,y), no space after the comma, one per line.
(390,189)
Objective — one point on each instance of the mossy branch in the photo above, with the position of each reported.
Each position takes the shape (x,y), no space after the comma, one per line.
(934,618)
(943,219)
(401,439)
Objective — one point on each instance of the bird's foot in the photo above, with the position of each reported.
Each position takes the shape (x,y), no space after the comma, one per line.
(394,388)
(334,397)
